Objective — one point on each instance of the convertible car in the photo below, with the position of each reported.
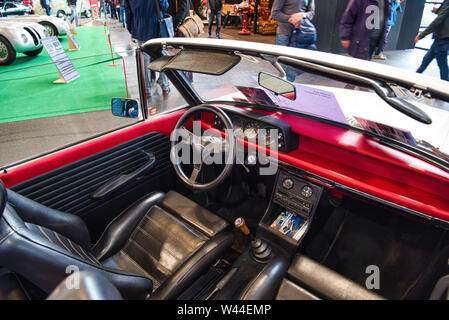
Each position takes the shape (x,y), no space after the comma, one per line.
(334,186)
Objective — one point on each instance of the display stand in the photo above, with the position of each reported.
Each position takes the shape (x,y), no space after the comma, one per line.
(62,80)
(105,26)
(66,70)
(113,64)
(73,45)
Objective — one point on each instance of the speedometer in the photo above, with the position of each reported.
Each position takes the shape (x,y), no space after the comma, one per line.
(268,138)
(251,131)
(238,127)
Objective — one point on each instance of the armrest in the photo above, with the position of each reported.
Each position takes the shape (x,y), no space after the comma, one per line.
(266,284)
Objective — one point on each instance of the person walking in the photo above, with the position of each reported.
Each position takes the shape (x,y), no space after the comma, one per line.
(288,14)
(180,12)
(101,7)
(111,5)
(142,23)
(45,4)
(122,12)
(214,12)
(294,19)
(440,47)
(396,8)
(74,16)
(363,27)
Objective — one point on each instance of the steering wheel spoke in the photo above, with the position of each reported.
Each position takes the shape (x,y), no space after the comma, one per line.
(186,135)
(196,170)
(204,147)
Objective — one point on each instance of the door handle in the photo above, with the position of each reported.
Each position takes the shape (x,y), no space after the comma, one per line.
(116,183)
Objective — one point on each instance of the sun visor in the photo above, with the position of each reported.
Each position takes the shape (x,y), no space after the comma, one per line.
(208,62)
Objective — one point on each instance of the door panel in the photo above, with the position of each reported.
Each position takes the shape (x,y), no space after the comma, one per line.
(69,188)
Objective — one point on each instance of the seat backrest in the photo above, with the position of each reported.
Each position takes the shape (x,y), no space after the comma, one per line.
(45,257)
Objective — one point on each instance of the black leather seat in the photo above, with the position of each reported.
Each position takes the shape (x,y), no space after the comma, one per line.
(157,247)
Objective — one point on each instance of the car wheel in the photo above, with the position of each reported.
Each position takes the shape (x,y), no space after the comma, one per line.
(7,52)
(34,52)
(51,29)
(60,14)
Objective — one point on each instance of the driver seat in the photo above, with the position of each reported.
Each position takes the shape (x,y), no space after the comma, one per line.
(154,249)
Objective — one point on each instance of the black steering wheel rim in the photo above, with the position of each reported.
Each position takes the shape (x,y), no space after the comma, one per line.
(229,139)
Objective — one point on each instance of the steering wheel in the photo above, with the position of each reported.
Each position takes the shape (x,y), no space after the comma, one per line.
(204,147)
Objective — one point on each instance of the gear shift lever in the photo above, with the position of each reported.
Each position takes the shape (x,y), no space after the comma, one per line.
(260,250)
(241,225)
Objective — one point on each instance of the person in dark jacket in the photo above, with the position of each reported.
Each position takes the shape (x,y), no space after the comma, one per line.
(179,12)
(363,27)
(111,5)
(214,11)
(396,8)
(290,14)
(45,4)
(74,16)
(142,23)
(440,47)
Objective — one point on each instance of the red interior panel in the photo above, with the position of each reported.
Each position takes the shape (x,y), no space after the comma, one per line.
(337,154)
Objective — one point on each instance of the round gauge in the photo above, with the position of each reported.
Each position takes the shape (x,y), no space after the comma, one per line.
(287,183)
(238,127)
(251,130)
(307,191)
(267,138)
(218,124)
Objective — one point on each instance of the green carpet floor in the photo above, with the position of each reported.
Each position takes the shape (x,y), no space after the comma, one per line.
(27,91)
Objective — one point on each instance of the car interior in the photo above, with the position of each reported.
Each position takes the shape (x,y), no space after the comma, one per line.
(140,225)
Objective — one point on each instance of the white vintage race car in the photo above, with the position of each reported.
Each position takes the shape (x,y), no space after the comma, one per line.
(21,37)
(55,26)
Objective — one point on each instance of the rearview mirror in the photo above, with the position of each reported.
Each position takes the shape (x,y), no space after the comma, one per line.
(277,85)
(124,108)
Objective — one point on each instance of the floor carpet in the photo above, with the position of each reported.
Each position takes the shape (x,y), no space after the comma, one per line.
(27,90)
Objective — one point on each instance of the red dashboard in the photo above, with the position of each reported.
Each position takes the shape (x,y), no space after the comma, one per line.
(345,157)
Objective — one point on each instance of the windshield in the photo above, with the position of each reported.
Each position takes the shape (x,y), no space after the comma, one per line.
(332,100)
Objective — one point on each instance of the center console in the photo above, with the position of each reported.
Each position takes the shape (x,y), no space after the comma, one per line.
(292,207)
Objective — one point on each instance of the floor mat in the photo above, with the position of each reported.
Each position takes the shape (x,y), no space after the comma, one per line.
(370,236)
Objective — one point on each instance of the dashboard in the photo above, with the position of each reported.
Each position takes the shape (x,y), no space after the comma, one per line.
(264,130)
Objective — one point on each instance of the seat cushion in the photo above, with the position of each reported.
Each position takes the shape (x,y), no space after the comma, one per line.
(166,238)
(159,244)
(194,214)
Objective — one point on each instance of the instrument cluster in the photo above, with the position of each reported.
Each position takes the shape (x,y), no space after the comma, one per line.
(255,131)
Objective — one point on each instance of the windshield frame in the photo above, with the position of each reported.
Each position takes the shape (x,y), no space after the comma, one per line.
(373,71)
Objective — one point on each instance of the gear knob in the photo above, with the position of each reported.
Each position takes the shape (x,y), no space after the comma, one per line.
(241,225)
